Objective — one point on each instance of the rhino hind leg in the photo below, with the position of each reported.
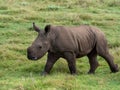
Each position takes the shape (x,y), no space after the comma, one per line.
(93,62)
(102,50)
(110,61)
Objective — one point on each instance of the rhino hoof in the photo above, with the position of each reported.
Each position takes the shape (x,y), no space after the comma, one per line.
(115,69)
(91,72)
(73,74)
(44,73)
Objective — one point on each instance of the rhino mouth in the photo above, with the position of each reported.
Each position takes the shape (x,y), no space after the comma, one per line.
(32,58)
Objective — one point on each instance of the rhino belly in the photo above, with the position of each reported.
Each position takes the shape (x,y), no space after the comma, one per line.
(84,46)
(83,53)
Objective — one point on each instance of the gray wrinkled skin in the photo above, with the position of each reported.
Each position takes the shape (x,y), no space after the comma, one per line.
(70,43)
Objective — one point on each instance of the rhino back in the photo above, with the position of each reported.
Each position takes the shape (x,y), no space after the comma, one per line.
(80,40)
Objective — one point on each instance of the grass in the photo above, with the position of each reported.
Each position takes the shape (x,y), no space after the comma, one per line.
(16,34)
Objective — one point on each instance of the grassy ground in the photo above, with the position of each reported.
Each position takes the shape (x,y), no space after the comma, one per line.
(16,34)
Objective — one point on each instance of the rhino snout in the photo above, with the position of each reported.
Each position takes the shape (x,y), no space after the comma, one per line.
(29,55)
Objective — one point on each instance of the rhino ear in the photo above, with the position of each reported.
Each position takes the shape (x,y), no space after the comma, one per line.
(47,29)
(36,28)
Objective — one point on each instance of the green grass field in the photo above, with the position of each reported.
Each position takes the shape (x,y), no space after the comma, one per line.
(16,34)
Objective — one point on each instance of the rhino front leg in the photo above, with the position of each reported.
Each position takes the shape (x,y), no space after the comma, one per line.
(70,57)
(52,58)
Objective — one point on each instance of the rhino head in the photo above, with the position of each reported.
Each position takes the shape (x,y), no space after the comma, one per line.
(40,45)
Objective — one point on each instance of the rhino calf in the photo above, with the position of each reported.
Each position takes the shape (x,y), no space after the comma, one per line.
(70,43)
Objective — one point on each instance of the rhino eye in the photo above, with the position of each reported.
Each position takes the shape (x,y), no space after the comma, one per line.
(40,47)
